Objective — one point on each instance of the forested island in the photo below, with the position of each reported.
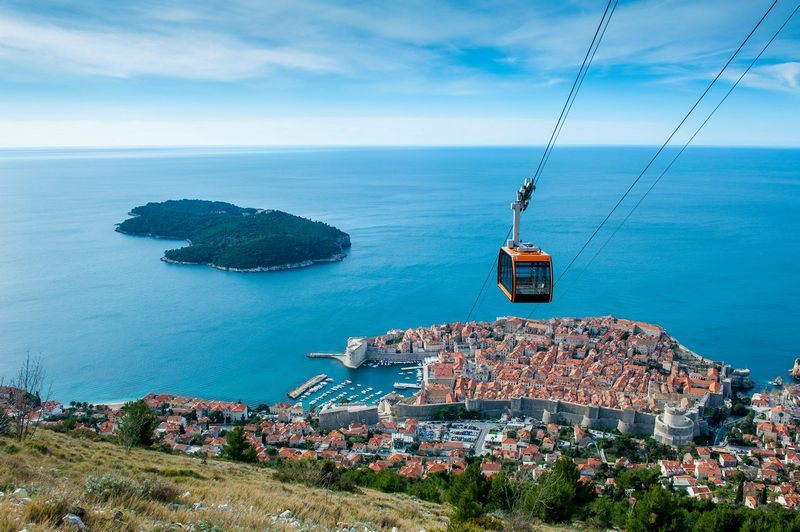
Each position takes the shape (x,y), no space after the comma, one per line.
(228,237)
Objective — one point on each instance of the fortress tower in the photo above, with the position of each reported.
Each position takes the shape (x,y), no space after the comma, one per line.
(674,427)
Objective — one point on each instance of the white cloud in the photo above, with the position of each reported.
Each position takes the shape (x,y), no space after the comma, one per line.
(191,54)
(417,57)
(411,39)
(782,77)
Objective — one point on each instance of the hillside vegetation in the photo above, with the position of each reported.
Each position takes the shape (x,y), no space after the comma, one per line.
(230,237)
(111,489)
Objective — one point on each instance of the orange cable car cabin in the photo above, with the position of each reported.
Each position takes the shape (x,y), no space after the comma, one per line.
(524,272)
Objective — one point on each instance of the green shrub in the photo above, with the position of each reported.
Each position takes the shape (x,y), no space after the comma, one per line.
(181,473)
(316,473)
(136,428)
(159,490)
(110,486)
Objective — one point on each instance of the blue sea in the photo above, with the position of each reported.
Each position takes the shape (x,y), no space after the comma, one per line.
(712,255)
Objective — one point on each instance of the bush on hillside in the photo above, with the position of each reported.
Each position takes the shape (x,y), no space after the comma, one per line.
(315,473)
(109,486)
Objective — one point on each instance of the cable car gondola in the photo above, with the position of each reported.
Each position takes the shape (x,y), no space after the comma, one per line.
(524,272)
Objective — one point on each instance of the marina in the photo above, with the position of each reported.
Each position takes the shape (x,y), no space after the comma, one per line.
(352,394)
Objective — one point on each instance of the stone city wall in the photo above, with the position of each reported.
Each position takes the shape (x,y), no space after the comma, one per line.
(545,410)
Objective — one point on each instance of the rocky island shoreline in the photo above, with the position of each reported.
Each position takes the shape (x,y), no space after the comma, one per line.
(260,269)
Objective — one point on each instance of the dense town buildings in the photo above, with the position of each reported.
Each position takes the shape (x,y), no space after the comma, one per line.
(762,448)
(584,371)
(602,372)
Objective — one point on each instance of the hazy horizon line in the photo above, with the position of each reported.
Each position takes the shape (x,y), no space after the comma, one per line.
(376,146)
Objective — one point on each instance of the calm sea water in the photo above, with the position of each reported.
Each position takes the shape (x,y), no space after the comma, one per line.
(712,255)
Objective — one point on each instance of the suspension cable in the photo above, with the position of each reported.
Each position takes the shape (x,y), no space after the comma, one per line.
(683,148)
(658,152)
(580,76)
(664,145)
(557,131)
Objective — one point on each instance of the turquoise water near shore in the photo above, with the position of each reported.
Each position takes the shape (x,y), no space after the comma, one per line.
(712,255)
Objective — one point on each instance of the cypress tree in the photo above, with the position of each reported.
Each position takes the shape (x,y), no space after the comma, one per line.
(740,490)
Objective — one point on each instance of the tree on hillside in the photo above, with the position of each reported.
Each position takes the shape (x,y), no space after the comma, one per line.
(469,493)
(238,448)
(504,494)
(137,426)
(558,493)
(657,511)
(25,396)
(720,518)
(638,479)
(739,488)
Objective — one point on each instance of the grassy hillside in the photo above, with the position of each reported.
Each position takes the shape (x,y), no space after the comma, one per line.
(147,490)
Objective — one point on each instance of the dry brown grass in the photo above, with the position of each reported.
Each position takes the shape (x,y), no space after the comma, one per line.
(54,468)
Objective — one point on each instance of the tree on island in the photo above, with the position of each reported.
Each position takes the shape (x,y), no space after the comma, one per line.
(137,426)
(226,236)
(237,448)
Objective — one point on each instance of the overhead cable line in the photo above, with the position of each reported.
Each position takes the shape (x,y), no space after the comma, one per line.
(683,148)
(664,145)
(576,84)
(557,130)
(660,149)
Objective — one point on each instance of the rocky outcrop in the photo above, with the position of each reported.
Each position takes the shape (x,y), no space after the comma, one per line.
(795,371)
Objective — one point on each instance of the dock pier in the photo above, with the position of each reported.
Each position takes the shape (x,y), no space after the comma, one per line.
(300,390)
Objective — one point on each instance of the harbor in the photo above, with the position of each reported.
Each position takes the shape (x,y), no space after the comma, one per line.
(367,393)
(345,392)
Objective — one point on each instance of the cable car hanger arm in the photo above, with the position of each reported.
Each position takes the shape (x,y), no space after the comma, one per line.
(518,207)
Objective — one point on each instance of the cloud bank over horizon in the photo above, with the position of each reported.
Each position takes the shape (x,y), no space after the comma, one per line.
(311,72)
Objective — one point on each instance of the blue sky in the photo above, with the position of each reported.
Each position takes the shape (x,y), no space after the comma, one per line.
(307,72)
